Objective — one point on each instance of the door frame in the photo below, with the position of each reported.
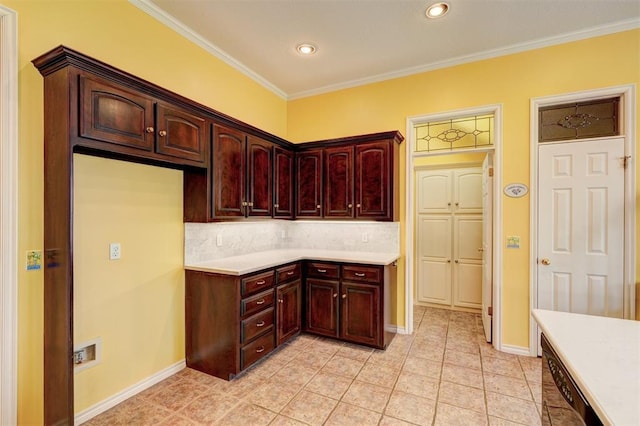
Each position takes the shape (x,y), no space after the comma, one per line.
(8,215)
(410,214)
(628,109)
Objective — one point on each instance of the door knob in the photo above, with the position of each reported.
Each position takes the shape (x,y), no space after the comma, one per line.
(545,261)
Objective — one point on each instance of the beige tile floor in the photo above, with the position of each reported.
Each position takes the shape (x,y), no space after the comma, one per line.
(443,374)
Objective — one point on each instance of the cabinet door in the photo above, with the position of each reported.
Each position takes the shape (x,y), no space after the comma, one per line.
(289,311)
(373,184)
(111,113)
(433,191)
(338,182)
(282,183)
(259,177)
(360,313)
(180,133)
(228,172)
(467,190)
(322,307)
(309,184)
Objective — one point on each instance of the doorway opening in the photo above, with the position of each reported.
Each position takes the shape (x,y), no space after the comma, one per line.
(598,172)
(421,164)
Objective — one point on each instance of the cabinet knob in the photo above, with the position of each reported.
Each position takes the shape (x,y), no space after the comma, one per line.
(149,130)
(344,296)
(162,133)
(260,324)
(318,206)
(289,272)
(261,282)
(244,204)
(280,300)
(276,205)
(358,205)
(260,302)
(449,204)
(260,349)
(358,274)
(335,295)
(250,204)
(457,261)
(448,260)
(350,205)
(322,271)
(457,204)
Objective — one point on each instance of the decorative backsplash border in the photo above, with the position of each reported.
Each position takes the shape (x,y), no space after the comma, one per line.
(208,241)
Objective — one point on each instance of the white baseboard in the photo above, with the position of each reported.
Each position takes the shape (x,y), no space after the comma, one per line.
(515,350)
(127,393)
(395,329)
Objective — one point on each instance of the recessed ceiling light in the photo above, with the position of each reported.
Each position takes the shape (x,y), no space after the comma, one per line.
(306,49)
(437,10)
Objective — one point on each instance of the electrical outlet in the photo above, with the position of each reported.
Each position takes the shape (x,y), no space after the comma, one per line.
(219,240)
(114,251)
(365,237)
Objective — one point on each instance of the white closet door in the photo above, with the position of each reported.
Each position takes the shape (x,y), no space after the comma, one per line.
(467,190)
(467,255)
(434,191)
(434,259)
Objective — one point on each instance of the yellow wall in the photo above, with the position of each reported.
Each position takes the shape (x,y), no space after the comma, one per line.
(118,33)
(135,305)
(509,80)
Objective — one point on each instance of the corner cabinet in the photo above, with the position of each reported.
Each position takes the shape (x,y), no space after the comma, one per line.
(348,302)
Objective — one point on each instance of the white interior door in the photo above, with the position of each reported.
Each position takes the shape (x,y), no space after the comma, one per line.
(487,245)
(434,259)
(467,197)
(581,227)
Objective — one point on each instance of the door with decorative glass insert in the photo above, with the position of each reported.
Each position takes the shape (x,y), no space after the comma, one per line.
(581,227)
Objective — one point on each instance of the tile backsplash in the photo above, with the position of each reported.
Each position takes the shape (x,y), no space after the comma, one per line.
(208,241)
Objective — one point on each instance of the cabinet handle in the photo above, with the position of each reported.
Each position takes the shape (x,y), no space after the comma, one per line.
(289,272)
(358,205)
(260,349)
(322,271)
(162,133)
(276,205)
(280,300)
(344,296)
(318,207)
(250,204)
(350,206)
(335,295)
(149,130)
(260,324)
(260,302)
(359,274)
(261,282)
(244,204)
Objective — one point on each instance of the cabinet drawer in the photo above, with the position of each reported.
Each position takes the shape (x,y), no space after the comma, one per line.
(256,283)
(256,303)
(369,274)
(256,324)
(256,350)
(323,270)
(288,273)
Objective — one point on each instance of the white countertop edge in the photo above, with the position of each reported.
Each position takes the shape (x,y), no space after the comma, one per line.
(248,263)
(582,378)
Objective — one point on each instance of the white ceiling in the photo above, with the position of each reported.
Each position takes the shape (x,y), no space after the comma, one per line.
(361,41)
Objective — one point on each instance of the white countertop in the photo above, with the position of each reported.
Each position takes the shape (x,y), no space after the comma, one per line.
(247,263)
(603,357)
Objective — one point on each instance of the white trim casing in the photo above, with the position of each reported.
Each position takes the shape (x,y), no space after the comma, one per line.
(628,109)
(8,215)
(496,110)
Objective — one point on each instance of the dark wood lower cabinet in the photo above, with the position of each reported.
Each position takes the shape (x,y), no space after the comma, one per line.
(289,322)
(347,302)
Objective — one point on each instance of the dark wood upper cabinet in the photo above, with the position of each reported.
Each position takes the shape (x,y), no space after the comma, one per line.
(259,177)
(373,183)
(229,172)
(180,133)
(283,182)
(128,118)
(309,184)
(338,182)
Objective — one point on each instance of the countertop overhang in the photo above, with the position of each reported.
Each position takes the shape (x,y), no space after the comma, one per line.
(252,262)
(603,356)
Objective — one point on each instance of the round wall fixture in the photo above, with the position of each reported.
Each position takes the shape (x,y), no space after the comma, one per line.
(437,10)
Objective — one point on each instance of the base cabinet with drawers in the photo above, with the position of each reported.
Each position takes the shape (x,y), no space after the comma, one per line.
(348,302)
(233,321)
